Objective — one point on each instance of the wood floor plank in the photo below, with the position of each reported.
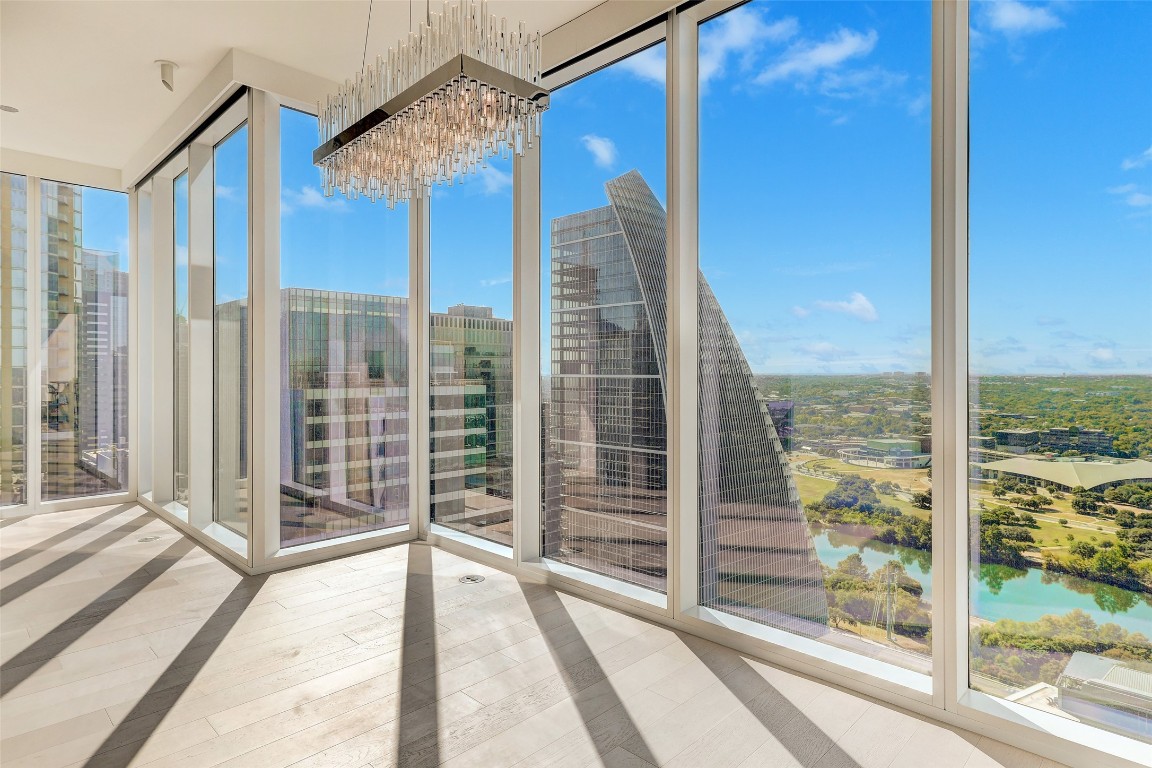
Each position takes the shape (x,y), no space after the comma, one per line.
(119,652)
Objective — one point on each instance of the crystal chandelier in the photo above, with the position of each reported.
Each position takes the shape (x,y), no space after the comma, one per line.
(459,90)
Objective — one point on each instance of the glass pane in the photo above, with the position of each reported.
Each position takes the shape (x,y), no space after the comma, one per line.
(471,354)
(230,412)
(1060,356)
(13,337)
(604,330)
(814,302)
(343,353)
(84,310)
(181,341)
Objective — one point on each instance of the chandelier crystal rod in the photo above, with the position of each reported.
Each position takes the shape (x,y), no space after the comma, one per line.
(460,89)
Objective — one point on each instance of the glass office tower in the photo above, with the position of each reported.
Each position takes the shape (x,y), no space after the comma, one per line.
(606,508)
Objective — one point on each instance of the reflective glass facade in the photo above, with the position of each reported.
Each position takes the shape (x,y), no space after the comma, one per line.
(84,344)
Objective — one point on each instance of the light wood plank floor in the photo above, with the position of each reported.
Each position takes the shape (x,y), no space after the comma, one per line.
(124,644)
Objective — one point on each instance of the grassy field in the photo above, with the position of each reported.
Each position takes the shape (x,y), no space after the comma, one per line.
(813,489)
(1050,535)
(911,480)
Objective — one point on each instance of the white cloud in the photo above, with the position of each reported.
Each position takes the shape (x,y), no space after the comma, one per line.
(857,305)
(1137,161)
(739,31)
(861,82)
(1050,361)
(493,180)
(603,150)
(308,197)
(823,351)
(224,192)
(806,59)
(502,280)
(801,311)
(1013,18)
(1102,356)
(917,105)
(1009,345)
(1132,195)
(648,65)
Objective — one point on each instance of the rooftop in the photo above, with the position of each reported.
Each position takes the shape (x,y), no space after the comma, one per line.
(1088,474)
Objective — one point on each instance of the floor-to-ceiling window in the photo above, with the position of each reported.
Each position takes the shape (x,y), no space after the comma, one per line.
(344,410)
(230,331)
(470,348)
(181,342)
(604,323)
(84,341)
(814,298)
(13,338)
(1060,351)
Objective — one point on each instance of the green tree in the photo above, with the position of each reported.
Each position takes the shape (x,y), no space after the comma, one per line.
(1082,549)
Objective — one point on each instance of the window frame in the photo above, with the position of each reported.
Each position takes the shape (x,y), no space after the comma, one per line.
(945,696)
(33,502)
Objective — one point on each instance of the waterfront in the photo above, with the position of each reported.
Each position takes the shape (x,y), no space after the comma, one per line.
(1002,592)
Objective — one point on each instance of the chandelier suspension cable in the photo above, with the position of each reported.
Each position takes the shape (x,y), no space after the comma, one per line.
(367,29)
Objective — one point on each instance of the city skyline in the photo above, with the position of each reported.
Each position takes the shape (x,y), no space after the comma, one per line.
(857,293)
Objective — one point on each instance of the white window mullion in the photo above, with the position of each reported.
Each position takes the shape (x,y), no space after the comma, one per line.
(950,351)
(526,417)
(162,374)
(33,386)
(419,368)
(264,327)
(201,306)
(140,345)
(683,313)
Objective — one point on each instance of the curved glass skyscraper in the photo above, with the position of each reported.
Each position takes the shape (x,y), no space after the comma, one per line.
(606,507)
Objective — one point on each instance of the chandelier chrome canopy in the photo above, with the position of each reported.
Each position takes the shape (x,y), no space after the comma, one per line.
(459,90)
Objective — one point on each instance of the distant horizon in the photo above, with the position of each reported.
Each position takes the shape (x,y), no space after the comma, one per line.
(821,257)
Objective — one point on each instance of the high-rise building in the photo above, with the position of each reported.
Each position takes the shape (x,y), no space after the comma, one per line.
(344,444)
(102,419)
(344,412)
(471,355)
(84,351)
(607,427)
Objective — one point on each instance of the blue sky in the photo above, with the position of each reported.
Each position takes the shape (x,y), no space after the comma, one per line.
(815,187)
(105,222)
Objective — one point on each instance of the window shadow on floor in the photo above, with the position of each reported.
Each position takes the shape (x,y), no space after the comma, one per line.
(53,541)
(57,640)
(803,740)
(132,733)
(606,719)
(64,563)
(418,729)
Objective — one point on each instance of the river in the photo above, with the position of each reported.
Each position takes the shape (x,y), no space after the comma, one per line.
(1002,592)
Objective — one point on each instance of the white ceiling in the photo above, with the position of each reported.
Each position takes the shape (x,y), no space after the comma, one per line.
(82,74)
